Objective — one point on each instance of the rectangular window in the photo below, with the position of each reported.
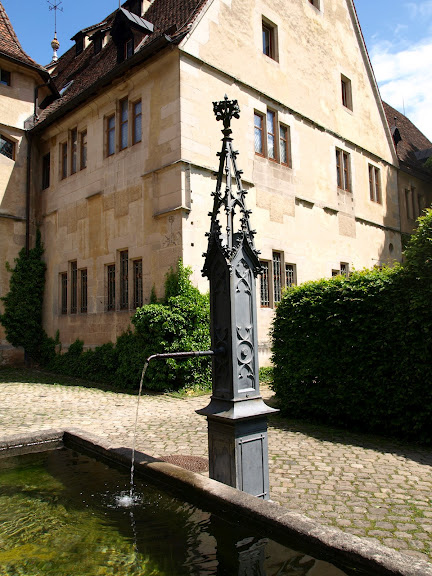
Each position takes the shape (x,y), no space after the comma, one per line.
(83,150)
(344,269)
(110,135)
(374,184)
(5,77)
(259,133)
(290,275)
(97,43)
(7,147)
(64,159)
(137,122)
(128,48)
(63,295)
(346,92)
(284,145)
(269,40)
(409,204)
(277,277)
(124,280)
(271,129)
(46,165)
(74,150)
(74,288)
(264,285)
(124,113)
(111,287)
(342,167)
(137,284)
(83,299)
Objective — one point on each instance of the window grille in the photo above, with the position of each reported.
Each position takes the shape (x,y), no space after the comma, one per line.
(264,285)
(84,290)
(124,280)
(138,284)
(277,277)
(290,279)
(63,280)
(74,288)
(111,287)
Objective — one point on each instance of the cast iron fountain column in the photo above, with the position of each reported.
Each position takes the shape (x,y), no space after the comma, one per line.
(236,414)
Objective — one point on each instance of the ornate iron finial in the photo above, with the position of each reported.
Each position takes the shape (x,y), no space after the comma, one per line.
(231,198)
(225,110)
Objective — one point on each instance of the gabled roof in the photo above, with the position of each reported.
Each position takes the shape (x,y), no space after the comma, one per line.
(166,22)
(413,147)
(11,47)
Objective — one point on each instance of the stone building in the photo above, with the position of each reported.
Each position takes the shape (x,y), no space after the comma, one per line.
(122,162)
(22,81)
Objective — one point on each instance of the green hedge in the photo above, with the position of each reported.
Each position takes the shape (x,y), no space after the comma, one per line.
(180,323)
(356,352)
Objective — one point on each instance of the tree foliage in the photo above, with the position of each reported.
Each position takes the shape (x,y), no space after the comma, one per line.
(180,323)
(22,317)
(356,351)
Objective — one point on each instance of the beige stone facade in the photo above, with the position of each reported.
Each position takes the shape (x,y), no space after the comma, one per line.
(131,162)
(19,77)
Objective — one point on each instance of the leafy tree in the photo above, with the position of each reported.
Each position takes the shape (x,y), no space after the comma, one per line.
(22,317)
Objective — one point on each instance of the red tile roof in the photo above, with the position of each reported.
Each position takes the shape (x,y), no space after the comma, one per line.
(10,46)
(413,141)
(88,71)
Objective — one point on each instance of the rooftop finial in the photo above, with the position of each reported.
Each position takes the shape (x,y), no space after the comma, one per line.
(55,44)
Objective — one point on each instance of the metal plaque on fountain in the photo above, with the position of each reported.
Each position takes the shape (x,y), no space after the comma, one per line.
(237,415)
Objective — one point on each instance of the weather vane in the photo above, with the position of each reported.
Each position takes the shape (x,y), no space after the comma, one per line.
(55,6)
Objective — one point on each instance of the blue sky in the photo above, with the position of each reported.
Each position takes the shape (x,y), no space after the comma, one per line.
(398,36)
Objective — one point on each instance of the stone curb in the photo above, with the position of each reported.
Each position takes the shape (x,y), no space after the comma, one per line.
(281,524)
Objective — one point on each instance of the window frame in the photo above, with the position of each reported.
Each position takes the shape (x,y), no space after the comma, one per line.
(261,132)
(63,160)
(346,92)
(5,77)
(83,291)
(124,279)
(83,148)
(74,151)
(290,270)
(138,292)
(274,279)
(265,284)
(123,124)
(374,184)
(63,293)
(286,145)
(136,120)
(343,170)
(12,144)
(110,134)
(111,287)
(271,133)
(74,287)
(269,39)
(46,170)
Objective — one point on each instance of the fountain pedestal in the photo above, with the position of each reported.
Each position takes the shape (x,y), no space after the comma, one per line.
(237,415)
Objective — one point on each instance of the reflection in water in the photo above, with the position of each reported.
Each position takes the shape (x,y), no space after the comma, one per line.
(59,515)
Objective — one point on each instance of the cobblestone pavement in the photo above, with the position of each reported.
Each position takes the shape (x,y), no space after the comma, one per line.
(371,487)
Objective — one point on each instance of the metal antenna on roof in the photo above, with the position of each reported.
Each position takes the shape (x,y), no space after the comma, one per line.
(55,44)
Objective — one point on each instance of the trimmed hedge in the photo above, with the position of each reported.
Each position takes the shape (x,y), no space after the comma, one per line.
(356,352)
(180,324)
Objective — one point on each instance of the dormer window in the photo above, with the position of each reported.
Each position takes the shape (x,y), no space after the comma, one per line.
(79,44)
(128,48)
(97,43)
(135,6)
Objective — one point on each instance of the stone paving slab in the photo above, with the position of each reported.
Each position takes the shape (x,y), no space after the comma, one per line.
(373,488)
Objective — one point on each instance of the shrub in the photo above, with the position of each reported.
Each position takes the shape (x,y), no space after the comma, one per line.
(22,317)
(180,324)
(355,351)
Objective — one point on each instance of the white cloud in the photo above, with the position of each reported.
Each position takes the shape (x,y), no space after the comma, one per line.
(421,9)
(405,78)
